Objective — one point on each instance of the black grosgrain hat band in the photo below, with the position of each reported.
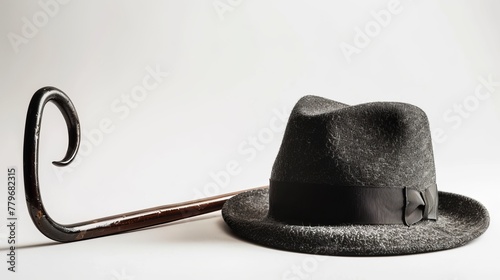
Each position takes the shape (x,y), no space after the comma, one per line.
(324,204)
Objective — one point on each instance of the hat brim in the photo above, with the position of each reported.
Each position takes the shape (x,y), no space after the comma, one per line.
(461,219)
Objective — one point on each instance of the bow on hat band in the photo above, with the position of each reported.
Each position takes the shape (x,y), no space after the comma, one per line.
(420,205)
(323,204)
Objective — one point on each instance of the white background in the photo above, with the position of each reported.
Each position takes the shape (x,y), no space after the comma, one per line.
(235,69)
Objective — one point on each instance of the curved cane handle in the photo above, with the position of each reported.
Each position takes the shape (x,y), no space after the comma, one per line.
(98,227)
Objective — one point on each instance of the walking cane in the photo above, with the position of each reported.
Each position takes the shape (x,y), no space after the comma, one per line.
(97,227)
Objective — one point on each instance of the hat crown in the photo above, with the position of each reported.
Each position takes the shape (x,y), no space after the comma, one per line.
(380,144)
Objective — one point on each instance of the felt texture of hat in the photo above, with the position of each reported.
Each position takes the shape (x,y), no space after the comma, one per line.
(372,145)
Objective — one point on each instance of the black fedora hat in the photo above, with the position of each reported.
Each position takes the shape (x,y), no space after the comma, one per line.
(355,180)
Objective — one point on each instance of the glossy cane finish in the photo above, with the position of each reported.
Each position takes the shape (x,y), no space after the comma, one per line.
(98,227)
